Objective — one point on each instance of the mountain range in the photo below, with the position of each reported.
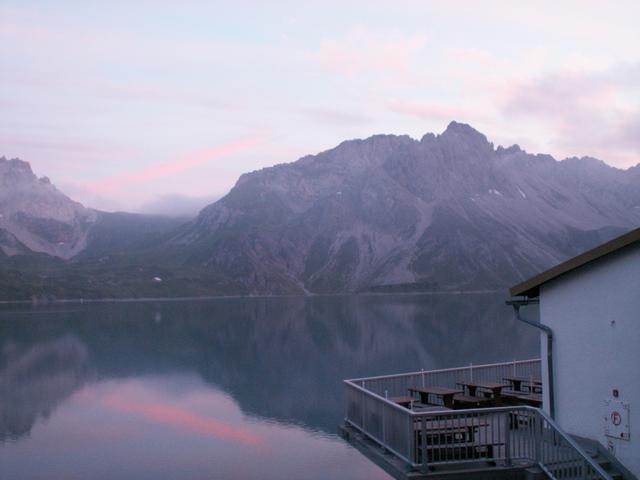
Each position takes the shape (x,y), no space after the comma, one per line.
(384,214)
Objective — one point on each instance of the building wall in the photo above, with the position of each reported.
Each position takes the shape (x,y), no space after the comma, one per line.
(594,312)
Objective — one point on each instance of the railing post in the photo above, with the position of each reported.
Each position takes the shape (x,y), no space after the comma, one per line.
(507,438)
(413,452)
(423,444)
(362,405)
(384,437)
(538,438)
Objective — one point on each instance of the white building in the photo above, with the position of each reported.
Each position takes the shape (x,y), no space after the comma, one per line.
(591,303)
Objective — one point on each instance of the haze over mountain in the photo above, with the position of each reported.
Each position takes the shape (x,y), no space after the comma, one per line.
(35,217)
(388,213)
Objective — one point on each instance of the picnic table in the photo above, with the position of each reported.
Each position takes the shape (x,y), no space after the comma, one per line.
(533,384)
(472,386)
(452,430)
(445,395)
(445,438)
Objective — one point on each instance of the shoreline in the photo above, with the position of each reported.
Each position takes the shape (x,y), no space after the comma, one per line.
(221,297)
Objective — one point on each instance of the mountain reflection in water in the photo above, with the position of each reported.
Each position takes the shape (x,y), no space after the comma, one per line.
(229,388)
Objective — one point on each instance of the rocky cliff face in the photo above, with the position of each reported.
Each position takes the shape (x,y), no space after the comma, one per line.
(36,217)
(392,213)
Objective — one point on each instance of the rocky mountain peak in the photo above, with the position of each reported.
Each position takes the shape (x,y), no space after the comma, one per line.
(390,212)
(14,171)
(464,132)
(512,150)
(37,217)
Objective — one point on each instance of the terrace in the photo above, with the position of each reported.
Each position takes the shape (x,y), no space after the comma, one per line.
(469,422)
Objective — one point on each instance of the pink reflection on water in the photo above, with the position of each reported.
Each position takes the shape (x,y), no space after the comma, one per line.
(182,418)
(173,426)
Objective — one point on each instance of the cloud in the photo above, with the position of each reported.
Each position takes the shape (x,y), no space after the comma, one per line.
(172,167)
(333,116)
(432,111)
(590,113)
(177,205)
(160,92)
(82,146)
(363,51)
(88,198)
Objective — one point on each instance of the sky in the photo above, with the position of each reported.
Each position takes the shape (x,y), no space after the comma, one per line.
(159,106)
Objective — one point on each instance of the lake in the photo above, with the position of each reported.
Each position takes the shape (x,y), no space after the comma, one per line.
(220,389)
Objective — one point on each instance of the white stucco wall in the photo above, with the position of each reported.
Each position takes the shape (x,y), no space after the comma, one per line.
(594,312)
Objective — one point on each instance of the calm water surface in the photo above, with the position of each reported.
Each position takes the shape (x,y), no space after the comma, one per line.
(220,389)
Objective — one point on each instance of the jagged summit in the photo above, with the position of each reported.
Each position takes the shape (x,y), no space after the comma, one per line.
(15,163)
(513,149)
(14,170)
(463,131)
(461,128)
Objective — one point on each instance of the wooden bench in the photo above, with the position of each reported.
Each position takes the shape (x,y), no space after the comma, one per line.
(522,398)
(467,401)
(459,451)
(403,401)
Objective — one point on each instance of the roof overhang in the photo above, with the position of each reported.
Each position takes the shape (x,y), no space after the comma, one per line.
(531,287)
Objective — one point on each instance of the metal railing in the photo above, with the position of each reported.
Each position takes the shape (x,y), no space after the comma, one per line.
(504,435)
(396,385)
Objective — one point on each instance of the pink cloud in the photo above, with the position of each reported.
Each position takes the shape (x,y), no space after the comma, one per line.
(589,112)
(365,51)
(173,167)
(476,55)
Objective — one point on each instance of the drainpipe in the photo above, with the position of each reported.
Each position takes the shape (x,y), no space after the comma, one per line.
(516,304)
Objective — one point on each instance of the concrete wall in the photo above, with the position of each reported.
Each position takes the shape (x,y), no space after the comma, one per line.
(594,312)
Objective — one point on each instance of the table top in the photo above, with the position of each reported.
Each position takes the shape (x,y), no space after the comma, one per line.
(481,384)
(435,390)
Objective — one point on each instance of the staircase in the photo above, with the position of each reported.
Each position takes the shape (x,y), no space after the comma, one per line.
(603,458)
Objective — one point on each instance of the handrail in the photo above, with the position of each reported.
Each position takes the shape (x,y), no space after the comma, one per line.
(573,444)
(376,396)
(471,411)
(444,370)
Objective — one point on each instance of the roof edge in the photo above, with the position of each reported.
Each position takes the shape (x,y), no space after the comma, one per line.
(531,287)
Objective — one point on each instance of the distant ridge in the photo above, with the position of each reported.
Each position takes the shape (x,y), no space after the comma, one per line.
(388,213)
